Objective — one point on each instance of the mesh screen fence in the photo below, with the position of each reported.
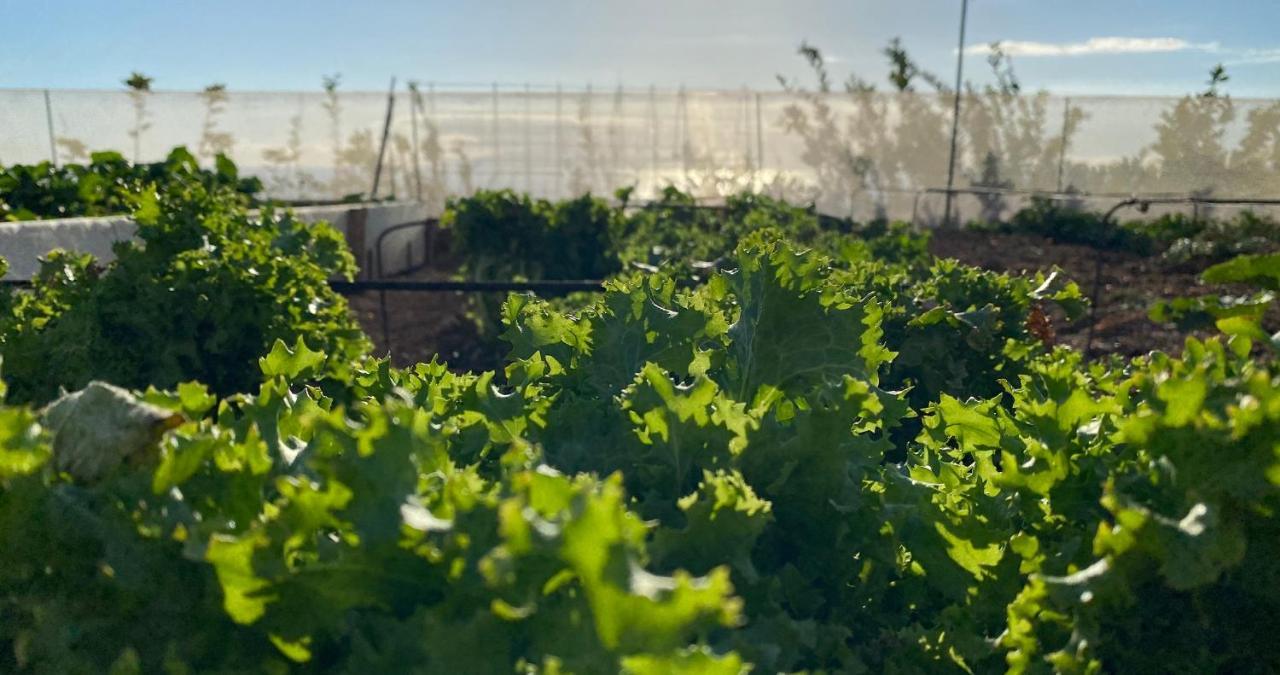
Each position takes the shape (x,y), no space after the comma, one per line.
(865,154)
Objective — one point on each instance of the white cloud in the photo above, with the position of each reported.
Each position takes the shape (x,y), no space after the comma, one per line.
(1248,57)
(1097,45)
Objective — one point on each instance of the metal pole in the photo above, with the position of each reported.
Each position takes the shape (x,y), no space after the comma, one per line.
(497,144)
(392,166)
(955,113)
(296,124)
(559,141)
(653,138)
(415,102)
(1062,151)
(759,136)
(1096,291)
(684,132)
(48,116)
(439,168)
(386,131)
(528,148)
(617,139)
(675,128)
(586,130)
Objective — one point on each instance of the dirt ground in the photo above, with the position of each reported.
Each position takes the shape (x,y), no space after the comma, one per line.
(420,325)
(1129,286)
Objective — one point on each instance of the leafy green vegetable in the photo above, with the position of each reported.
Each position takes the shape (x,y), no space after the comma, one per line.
(202,293)
(107,185)
(1238,316)
(814,461)
(348,538)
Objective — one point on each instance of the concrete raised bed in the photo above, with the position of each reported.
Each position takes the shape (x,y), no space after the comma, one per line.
(22,243)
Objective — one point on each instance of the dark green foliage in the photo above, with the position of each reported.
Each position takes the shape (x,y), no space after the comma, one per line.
(959,330)
(108,185)
(808,463)
(1179,239)
(1154,489)
(1240,315)
(202,293)
(672,480)
(282,532)
(1184,551)
(1069,224)
(675,228)
(1201,241)
(504,235)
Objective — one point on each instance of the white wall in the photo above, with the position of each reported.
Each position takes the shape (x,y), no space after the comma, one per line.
(22,243)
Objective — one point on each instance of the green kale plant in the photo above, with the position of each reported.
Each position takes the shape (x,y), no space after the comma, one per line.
(201,293)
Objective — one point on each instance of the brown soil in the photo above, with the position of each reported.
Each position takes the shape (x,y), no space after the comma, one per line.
(421,325)
(1129,285)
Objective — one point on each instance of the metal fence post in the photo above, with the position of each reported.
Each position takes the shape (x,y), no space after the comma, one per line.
(653,137)
(48,116)
(1095,294)
(675,127)
(440,169)
(559,141)
(587,131)
(618,138)
(382,148)
(759,136)
(415,101)
(497,141)
(528,140)
(682,119)
(955,113)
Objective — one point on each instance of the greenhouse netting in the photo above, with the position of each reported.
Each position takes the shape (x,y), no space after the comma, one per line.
(863,153)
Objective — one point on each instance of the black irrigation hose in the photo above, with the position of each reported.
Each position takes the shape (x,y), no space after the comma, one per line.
(468,286)
(428,226)
(1130,198)
(349,287)
(382,286)
(1143,205)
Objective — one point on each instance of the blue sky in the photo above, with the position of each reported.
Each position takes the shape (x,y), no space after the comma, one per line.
(1077,47)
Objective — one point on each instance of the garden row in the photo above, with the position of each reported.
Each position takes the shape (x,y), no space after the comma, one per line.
(818,457)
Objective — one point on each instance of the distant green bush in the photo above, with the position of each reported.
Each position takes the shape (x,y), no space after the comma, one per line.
(505,235)
(1179,239)
(107,185)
